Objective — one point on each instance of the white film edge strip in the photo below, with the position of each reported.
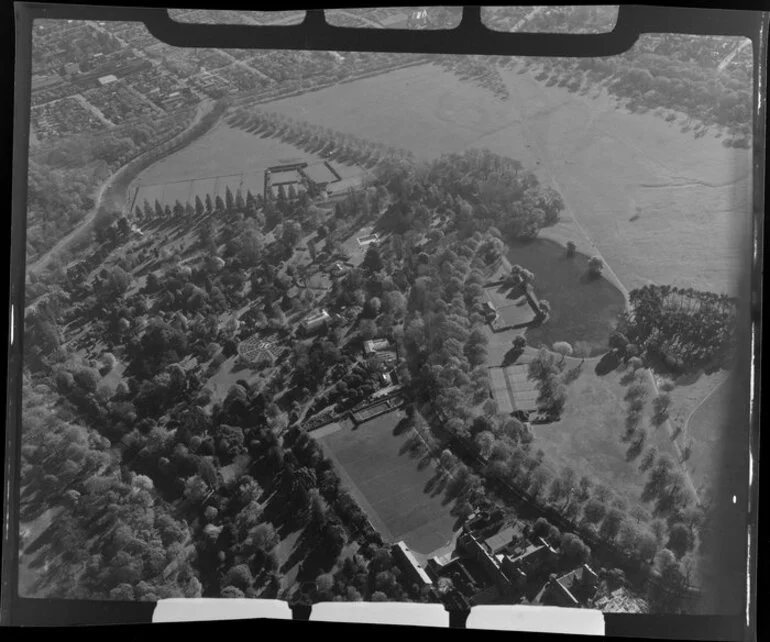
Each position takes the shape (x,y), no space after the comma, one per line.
(540,619)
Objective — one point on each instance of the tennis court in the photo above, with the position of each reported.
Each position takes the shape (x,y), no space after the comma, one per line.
(513,389)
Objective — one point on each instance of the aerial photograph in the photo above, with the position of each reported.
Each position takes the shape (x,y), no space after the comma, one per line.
(352,326)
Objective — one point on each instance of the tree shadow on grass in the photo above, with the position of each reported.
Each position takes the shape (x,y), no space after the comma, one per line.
(511,357)
(318,561)
(301,548)
(628,378)
(40,542)
(424,462)
(634,450)
(440,486)
(401,427)
(607,364)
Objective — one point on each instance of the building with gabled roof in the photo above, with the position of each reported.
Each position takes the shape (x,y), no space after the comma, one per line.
(572,589)
(315,320)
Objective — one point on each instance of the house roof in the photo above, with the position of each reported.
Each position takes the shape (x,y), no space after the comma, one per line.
(500,540)
(576,576)
(315,317)
(376,345)
(567,583)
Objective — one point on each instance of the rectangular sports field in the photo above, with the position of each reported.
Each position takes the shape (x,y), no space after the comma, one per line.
(513,389)
(389,486)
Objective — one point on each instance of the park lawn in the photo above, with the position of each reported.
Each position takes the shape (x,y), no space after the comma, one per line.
(582,309)
(707,426)
(390,486)
(224,157)
(588,436)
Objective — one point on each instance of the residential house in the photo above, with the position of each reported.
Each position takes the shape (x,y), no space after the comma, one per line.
(315,321)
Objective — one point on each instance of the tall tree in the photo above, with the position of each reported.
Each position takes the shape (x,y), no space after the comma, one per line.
(199,207)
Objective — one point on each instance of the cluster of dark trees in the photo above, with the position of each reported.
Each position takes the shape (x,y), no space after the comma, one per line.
(476,69)
(683,329)
(176,456)
(664,77)
(636,396)
(111,537)
(546,371)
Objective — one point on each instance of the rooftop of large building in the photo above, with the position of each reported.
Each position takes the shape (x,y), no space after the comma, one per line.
(403,550)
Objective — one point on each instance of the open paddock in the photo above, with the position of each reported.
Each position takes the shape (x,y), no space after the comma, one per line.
(588,435)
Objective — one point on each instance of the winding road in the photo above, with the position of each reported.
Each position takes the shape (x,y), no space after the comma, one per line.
(43,262)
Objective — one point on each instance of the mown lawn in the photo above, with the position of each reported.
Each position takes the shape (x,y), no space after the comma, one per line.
(583,309)
(588,437)
(390,485)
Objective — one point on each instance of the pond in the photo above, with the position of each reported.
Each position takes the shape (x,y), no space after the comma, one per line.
(583,309)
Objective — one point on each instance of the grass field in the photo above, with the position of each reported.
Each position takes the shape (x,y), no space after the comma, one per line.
(708,427)
(223,157)
(693,195)
(588,436)
(582,309)
(389,486)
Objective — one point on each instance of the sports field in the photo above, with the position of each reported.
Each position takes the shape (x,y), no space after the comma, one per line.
(513,389)
(389,485)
